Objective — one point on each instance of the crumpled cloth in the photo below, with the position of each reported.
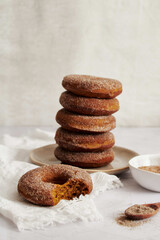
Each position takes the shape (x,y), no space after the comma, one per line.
(14,162)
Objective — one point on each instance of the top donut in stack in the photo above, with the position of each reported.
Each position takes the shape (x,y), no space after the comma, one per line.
(84,138)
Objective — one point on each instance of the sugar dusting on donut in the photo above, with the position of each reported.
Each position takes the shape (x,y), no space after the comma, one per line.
(80,141)
(72,121)
(82,156)
(87,85)
(85,159)
(88,106)
(81,137)
(92,81)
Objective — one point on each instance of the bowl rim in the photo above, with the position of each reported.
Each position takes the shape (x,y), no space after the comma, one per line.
(141,170)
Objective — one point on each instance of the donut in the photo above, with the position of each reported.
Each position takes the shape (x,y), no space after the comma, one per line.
(79,141)
(49,184)
(91,86)
(85,159)
(89,106)
(74,122)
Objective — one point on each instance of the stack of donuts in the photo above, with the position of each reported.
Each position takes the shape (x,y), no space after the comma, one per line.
(84,138)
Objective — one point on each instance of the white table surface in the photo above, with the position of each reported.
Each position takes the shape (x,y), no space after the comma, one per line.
(141,140)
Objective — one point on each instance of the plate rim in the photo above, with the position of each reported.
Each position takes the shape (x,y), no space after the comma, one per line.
(92,170)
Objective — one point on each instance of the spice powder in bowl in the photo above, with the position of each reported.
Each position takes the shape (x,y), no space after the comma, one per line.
(155,169)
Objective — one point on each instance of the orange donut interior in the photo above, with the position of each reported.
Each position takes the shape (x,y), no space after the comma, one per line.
(66,188)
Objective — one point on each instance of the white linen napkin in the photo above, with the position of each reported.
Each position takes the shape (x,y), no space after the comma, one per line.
(14,154)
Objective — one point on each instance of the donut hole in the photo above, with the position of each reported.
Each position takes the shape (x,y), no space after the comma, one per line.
(60,180)
(69,190)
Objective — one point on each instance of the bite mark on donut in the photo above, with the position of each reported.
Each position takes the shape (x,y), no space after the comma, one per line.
(69,190)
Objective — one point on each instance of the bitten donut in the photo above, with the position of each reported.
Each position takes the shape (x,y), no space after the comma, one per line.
(78,141)
(85,159)
(91,86)
(49,184)
(89,106)
(75,122)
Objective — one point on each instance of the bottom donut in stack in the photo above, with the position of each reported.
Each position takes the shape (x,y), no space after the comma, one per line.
(85,159)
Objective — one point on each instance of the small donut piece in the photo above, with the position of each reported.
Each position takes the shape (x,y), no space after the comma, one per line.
(85,159)
(89,106)
(79,141)
(91,86)
(49,184)
(75,122)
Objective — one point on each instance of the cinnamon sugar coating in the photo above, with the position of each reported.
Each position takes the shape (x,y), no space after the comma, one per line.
(75,122)
(91,86)
(80,141)
(85,159)
(49,184)
(88,106)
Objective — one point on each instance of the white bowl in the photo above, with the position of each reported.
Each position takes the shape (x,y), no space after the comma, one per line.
(146,179)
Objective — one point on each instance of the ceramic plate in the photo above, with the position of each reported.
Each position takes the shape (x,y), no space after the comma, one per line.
(45,156)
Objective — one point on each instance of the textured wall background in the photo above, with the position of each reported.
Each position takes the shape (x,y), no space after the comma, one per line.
(43,40)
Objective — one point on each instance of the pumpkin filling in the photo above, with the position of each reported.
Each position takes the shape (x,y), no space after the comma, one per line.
(68,190)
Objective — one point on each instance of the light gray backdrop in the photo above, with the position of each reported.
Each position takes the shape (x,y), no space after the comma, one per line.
(43,40)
